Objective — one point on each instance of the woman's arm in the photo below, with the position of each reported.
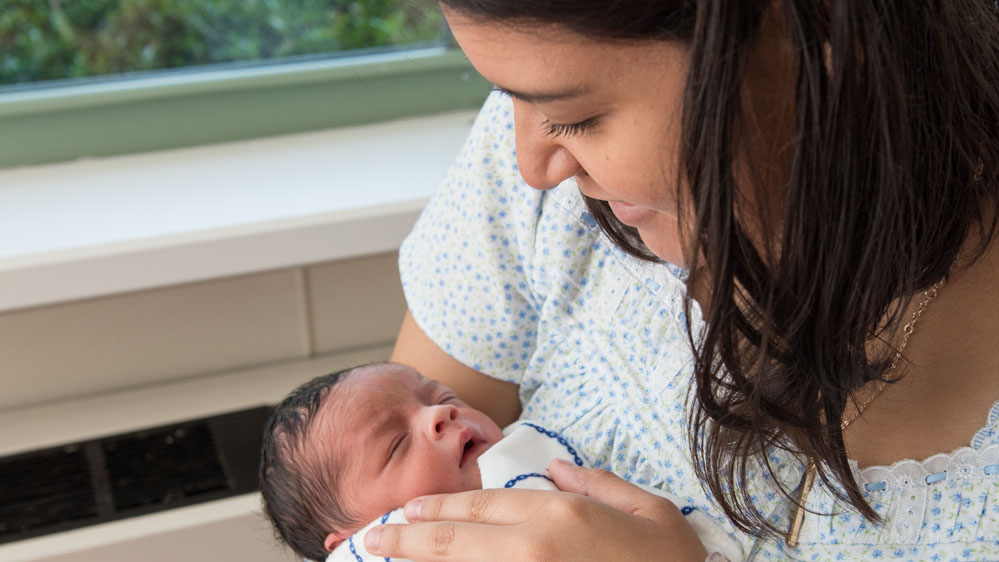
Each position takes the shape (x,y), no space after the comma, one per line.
(498,399)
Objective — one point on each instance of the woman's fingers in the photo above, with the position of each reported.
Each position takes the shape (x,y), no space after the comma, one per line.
(496,507)
(553,527)
(605,518)
(434,541)
(605,487)
(536,526)
(510,507)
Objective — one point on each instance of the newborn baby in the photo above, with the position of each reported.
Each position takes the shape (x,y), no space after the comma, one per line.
(344,450)
(347,447)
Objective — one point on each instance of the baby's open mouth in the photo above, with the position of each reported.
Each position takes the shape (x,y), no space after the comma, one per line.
(467,451)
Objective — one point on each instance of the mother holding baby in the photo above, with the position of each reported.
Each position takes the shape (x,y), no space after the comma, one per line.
(744,251)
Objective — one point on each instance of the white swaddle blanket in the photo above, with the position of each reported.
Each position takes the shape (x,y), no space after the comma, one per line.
(520,460)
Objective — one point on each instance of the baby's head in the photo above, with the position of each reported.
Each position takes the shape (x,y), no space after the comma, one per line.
(344,448)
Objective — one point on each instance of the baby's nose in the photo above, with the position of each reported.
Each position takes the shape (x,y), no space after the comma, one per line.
(440,417)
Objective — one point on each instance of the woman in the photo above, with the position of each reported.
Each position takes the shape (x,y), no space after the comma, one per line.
(826,174)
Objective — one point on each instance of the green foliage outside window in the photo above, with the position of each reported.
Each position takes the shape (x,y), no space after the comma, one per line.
(55,39)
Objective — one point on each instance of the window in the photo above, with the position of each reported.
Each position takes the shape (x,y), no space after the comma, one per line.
(98,77)
(47,40)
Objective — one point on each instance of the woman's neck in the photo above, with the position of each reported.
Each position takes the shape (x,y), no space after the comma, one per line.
(950,374)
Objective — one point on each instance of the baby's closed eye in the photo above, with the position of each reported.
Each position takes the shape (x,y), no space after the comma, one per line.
(396,444)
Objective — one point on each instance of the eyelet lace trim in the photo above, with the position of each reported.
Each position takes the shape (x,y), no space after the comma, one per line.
(910,482)
(974,461)
(965,463)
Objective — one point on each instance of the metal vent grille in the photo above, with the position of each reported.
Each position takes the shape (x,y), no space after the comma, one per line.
(121,476)
(45,489)
(162,467)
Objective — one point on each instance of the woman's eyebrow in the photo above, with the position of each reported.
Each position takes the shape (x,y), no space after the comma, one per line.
(543,97)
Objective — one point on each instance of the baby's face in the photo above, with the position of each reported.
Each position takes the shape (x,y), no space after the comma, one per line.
(398,435)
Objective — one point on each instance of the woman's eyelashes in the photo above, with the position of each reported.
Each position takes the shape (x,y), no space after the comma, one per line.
(567,130)
(501,90)
(557,129)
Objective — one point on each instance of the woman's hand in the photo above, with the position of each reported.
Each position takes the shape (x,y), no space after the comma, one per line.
(605,518)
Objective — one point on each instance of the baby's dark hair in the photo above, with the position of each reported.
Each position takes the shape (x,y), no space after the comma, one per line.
(300,490)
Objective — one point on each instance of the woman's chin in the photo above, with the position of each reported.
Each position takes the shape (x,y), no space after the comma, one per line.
(668,251)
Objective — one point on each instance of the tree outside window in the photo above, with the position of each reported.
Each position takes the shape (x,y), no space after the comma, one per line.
(47,40)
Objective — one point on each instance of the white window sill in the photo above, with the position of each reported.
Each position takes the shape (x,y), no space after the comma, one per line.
(98,227)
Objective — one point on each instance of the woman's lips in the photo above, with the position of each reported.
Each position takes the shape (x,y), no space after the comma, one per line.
(631,215)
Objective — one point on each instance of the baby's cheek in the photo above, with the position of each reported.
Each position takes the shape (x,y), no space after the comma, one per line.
(433,482)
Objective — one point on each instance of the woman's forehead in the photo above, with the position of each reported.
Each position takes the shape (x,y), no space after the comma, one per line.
(545,63)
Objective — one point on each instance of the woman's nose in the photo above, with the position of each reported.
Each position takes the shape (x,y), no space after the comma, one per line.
(438,419)
(543,160)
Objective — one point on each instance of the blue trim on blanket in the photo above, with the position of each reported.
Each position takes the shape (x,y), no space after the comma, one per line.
(353,549)
(561,441)
(521,477)
(685,510)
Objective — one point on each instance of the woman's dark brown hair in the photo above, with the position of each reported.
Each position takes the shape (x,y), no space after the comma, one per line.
(895,154)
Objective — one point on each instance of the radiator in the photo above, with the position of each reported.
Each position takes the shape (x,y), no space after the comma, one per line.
(123,425)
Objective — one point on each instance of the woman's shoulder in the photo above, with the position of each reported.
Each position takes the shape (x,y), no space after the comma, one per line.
(488,252)
(484,206)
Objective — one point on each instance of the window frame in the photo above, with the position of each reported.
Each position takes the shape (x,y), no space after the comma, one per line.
(203,105)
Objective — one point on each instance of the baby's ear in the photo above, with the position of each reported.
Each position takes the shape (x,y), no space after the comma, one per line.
(333,540)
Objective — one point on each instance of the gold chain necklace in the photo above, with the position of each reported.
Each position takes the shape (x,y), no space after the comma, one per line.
(809,479)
